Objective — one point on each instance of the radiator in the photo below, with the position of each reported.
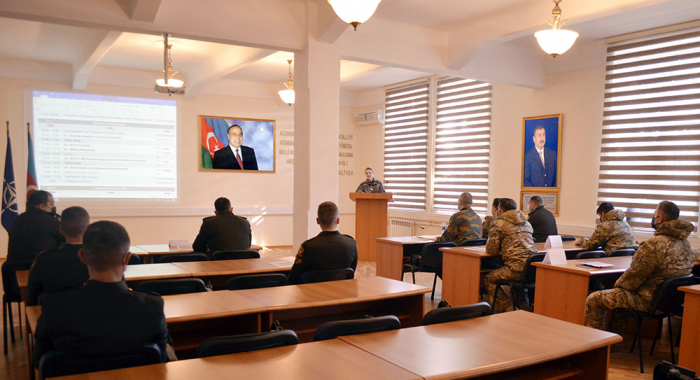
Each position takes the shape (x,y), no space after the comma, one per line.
(399,227)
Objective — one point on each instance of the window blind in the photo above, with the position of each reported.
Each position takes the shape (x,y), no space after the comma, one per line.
(650,147)
(406,145)
(462,140)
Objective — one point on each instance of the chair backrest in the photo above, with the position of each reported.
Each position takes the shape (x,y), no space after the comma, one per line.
(623,252)
(249,342)
(134,260)
(327,275)
(174,286)
(255,281)
(531,270)
(182,257)
(450,314)
(668,298)
(59,363)
(567,238)
(473,242)
(9,279)
(589,255)
(331,330)
(431,256)
(235,255)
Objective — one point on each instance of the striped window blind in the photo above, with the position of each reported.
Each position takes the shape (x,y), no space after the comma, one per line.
(462,140)
(650,148)
(406,145)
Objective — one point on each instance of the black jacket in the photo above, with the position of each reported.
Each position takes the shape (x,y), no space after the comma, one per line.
(328,250)
(32,232)
(225,159)
(225,231)
(54,270)
(100,319)
(543,224)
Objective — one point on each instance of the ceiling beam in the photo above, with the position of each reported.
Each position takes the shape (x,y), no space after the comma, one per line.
(329,27)
(140,10)
(91,56)
(226,62)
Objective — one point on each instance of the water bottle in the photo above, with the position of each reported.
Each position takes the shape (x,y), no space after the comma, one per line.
(444,226)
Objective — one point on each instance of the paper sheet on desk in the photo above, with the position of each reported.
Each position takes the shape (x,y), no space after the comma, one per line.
(284,261)
(427,237)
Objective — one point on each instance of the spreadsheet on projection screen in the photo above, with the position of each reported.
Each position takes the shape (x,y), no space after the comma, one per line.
(105,147)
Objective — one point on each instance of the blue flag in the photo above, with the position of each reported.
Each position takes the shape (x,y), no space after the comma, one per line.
(9,193)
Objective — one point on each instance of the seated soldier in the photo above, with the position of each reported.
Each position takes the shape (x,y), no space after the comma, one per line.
(329,250)
(612,233)
(511,238)
(464,225)
(488,221)
(667,254)
(61,267)
(104,316)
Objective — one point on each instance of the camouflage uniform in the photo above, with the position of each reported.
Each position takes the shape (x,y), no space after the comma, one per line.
(372,186)
(511,238)
(464,225)
(611,234)
(488,223)
(665,255)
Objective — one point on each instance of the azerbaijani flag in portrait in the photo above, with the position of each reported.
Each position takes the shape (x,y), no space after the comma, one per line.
(210,143)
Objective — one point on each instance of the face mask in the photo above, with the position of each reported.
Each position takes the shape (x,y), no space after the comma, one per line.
(653,225)
(53,210)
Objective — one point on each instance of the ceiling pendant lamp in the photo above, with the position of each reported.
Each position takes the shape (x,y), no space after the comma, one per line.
(288,95)
(354,12)
(169,85)
(556,41)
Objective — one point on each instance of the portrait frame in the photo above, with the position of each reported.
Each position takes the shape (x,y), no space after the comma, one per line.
(258,135)
(550,200)
(534,177)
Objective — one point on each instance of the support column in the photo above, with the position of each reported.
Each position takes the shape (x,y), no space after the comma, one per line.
(316,127)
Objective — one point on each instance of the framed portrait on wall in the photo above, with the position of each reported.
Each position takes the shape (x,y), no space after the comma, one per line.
(541,153)
(236,144)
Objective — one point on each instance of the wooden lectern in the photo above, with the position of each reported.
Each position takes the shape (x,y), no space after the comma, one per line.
(370,222)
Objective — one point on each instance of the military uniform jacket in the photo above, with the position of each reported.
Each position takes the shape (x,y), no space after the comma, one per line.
(56,269)
(372,186)
(100,319)
(488,223)
(665,255)
(327,251)
(511,237)
(543,224)
(225,231)
(464,225)
(32,232)
(612,233)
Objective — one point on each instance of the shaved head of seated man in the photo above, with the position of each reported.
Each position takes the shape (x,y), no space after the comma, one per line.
(328,250)
(464,225)
(103,317)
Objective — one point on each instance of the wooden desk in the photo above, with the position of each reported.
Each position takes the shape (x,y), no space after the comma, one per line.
(220,271)
(461,271)
(194,317)
(513,345)
(561,290)
(391,251)
(689,355)
(330,359)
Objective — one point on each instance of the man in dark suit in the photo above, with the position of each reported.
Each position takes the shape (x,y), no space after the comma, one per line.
(542,221)
(61,267)
(235,156)
(104,316)
(225,231)
(328,250)
(36,230)
(540,167)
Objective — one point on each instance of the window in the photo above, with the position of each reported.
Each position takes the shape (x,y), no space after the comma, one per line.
(406,145)
(462,140)
(650,149)
(437,133)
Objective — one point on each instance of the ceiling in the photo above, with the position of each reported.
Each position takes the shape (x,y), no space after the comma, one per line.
(405,39)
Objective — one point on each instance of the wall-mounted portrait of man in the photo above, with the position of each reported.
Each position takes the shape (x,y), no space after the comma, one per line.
(237,144)
(542,151)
